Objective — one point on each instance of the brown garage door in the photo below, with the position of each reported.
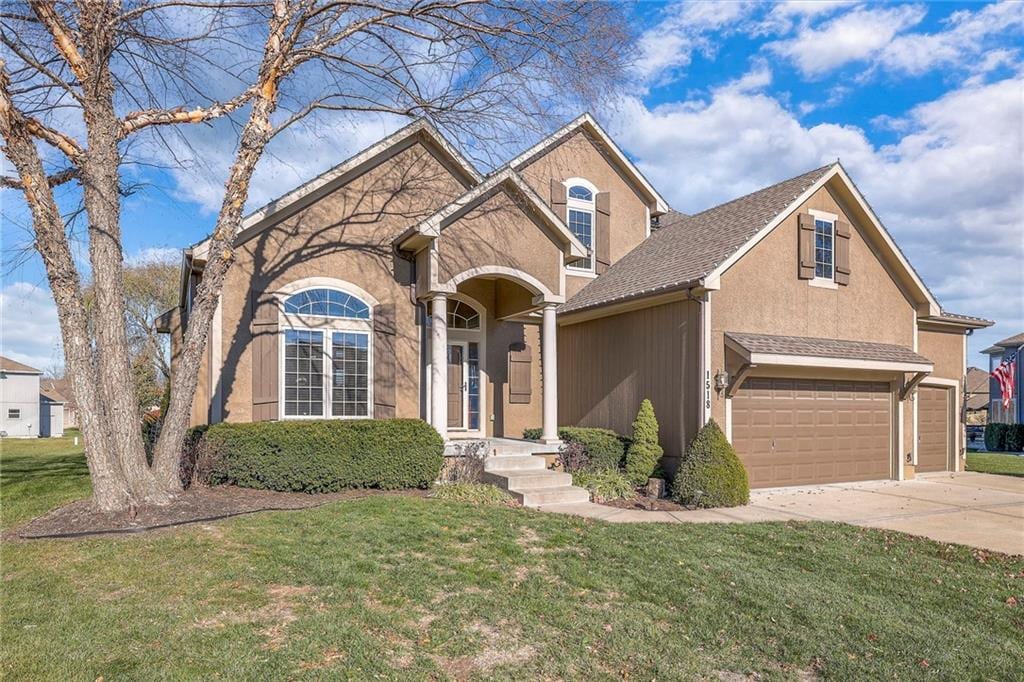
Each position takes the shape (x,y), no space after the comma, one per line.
(932,429)
(806,431)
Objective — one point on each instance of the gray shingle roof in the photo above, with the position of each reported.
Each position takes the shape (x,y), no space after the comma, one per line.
(977,388)
(1012,341)
(686,248)
(825,348)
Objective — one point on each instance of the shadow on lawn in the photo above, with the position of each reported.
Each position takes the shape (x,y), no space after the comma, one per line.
(23,468)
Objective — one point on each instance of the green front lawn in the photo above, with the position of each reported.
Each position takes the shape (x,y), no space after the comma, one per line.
(401,587)
(996,463)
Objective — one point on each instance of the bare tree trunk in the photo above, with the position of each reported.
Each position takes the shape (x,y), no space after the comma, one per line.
(255,135)
(110,490)
(100,178)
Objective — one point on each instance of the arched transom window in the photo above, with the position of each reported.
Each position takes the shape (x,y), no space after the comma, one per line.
(580,218)
(327,365)
(462,316)
(326,303)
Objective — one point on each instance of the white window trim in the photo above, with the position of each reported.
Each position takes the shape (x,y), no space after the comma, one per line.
(586,207)
(825,282)
(327,326)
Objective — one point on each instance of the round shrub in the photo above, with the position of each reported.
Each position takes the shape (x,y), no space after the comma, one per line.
(605,448)
(324,455)
(644,452)
(711,474)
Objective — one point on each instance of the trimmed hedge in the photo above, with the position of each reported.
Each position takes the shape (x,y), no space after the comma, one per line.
(1015,438)
(605,448)
(995,437)
(324,455)
(711,474)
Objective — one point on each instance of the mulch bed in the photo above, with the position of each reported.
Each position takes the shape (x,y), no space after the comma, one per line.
(198,504)
(646,504)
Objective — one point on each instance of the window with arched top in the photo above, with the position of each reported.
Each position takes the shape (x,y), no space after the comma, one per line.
(327,362)
(580,218)
(462,315)
(326,303)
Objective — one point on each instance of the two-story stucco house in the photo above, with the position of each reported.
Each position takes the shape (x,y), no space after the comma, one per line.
(403,282)
(26,409)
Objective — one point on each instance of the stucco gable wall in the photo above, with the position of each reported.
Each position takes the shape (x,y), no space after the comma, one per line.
(578,157)
(498,232)
(945,350)
(346,235)
(761,293)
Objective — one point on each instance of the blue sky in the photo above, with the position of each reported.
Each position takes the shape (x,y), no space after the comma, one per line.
(923,103)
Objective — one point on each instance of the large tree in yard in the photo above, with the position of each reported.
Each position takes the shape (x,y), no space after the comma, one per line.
(89,87)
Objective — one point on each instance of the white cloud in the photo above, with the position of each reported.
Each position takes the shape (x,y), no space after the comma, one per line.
(853,36)
(951,190)
(154,254)
(967,35)
(668,47)
(29,331)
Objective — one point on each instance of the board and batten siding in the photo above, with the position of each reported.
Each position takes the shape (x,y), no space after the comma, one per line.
(607,366)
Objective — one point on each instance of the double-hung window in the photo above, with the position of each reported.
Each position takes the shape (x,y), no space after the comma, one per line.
(580,218)
(326,370)
(824,251)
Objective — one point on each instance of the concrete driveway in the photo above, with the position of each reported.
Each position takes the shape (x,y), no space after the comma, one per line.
(981,510)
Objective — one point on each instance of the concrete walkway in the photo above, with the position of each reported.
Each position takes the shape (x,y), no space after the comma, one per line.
(980,510)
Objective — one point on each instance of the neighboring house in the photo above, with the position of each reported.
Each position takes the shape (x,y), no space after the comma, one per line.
(25,410)
(404,283)
(976,397)
(1014,414)
(62,387)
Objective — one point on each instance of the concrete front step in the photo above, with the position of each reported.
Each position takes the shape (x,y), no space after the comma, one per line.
(517,462)
(528,479)
(566,494)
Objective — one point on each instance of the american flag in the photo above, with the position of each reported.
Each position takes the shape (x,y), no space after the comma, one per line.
(1004,374)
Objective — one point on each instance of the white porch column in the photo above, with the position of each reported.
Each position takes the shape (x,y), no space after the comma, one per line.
(439,363)
(549,375)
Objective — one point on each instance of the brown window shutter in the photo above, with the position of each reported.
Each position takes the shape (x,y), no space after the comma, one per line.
(385,361)
(842,244)
(559,197)
(519,373)
(603,231)
(805,223)
(265,364)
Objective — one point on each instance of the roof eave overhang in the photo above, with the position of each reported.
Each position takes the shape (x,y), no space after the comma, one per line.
(655,201)
(953,323)
(824,361)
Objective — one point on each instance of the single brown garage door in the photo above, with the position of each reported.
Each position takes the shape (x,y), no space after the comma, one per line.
(932,429)
(808,431)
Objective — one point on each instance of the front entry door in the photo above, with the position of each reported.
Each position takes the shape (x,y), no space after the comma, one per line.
(456,386)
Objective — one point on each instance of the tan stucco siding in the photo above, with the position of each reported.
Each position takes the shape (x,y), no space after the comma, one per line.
(945,350)
(578,157)
(498,232)
(345,235)
(761,293)
(607,366)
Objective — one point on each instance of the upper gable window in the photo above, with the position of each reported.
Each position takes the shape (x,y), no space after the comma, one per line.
(824,249)
(327,303)
(580,192)
(581,219)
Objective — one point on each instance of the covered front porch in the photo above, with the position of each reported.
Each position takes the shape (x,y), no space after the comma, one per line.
(490,271)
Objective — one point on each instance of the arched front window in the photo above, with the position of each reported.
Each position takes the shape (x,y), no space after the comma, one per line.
(462,316)
(580,218)
(326,303)
(327,367)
